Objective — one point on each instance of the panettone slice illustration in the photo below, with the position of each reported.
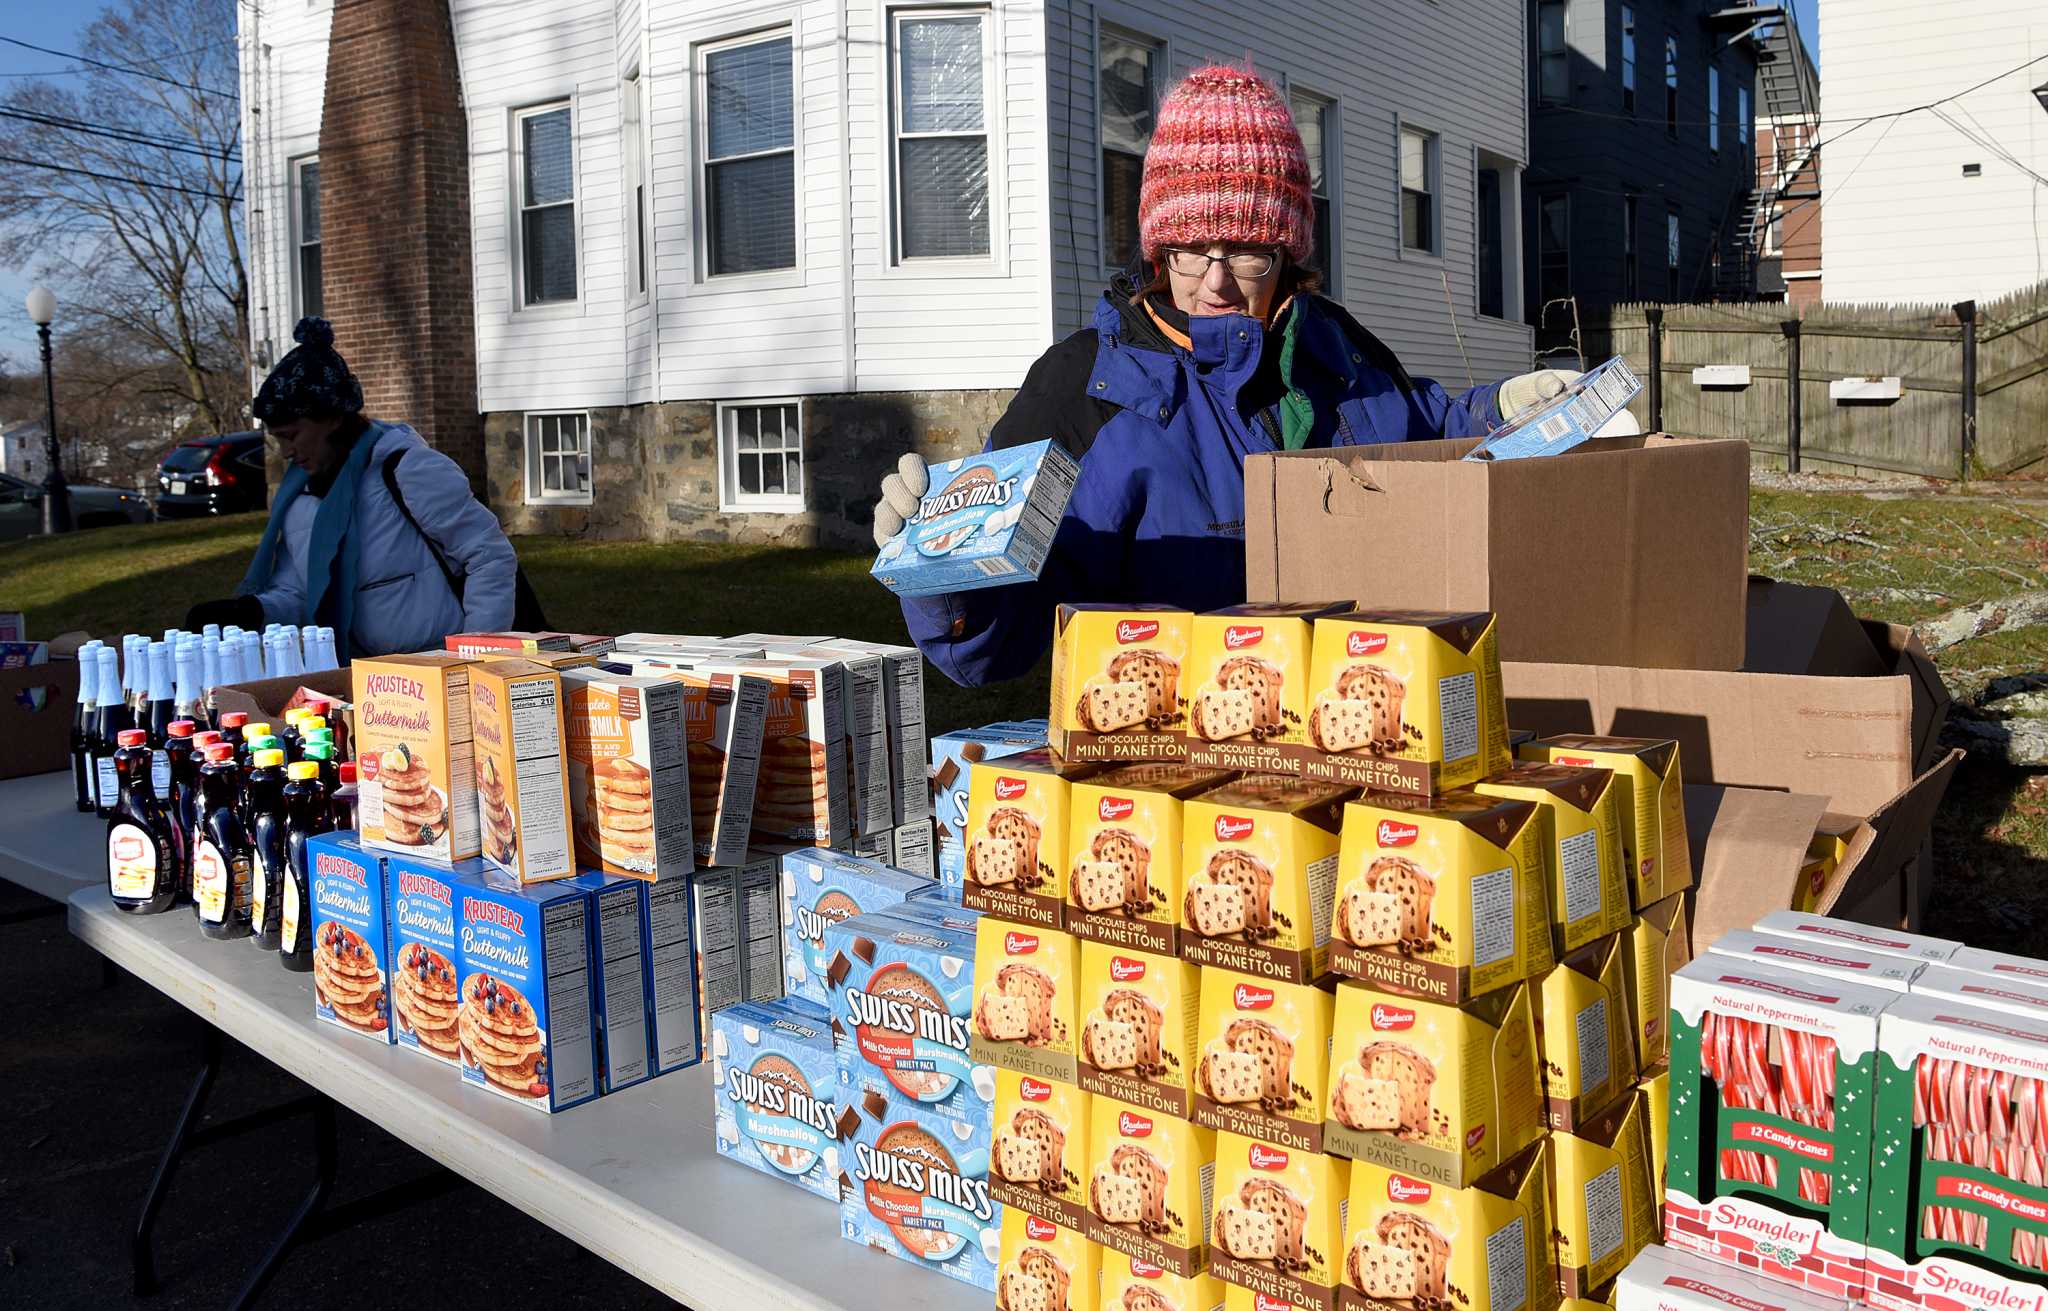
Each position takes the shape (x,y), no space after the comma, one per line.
(1159,673)
(1045,1267)
(1340,725)
(1245,1232)
(1020,1290)
(1127,851)
(1413,890)
(1370,919)
(1109,1044)
(1107,707)
(1034,986)
(1142,1014)
(1425,1243)
(1137,1297)
(994,861)
(1231,1077)
(1004,1019)
(1214,910)
(1289,1214)
(1224,713)
(1250,875)
(1117,1198)
(1382,690)
(1363,1102)
(1018,1157)
(1097,885)
(1042,1129)
(1380,1270)
(1261,678)
(1140,1166)
(1274,1050)
(1411,1072)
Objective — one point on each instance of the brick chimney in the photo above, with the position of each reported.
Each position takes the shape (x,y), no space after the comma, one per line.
(394,211)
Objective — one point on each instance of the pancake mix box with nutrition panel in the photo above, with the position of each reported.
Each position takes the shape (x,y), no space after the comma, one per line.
(1651,805)
(1582,1027)
(1248,703)
(1139,1013)
(1117,688)
(621,980)
(1017,830)
(351,936)
(984,520)
(1027,985)
(724,715)
(1413,1242)
(425,996)
(1437,1092)
(1259,859)
(629,773)
(417,788)
(902,993)
(677,1022)
(953,756)
(1040,1147)
(917,1187)
(1601,1185)
(1443,899)
(1589,888)
(1264,1058)
(776,1084)
(1278,1221)
(1124,836)
(525,1020)
(1045,1266)
(1406,700)
(803,789)
(1150,1178)
(522,776)
(822,887)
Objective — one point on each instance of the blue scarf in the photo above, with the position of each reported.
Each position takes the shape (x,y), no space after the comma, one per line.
(331,553)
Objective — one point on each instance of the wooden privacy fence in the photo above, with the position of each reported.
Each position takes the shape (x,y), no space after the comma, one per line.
(1972,381)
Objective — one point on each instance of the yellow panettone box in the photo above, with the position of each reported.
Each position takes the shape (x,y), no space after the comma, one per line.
(1259,861)
(1044,1266)
(1016,838)
(1263,1058)
(1589,892)
(1248,670)
(1124,870)
(1583,1029)
(1118,688)
(413,742)
(1443,1093)
(1278,1223)
(1027,987)
(1441,899)
(1412,1243)
(1138,1013)
(1652,804)
(1148,1178)
(1040,1147)
(1406,700)
(1659,944)
(1656,1090)
(1129,1284)
(1600,1184)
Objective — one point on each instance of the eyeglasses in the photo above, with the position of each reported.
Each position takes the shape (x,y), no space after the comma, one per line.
(1241,264)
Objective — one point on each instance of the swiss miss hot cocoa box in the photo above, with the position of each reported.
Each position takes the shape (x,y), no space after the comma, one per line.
(1589,886)
(352,979)
(1406,700)
(1652,804)
(917,1187)
(525,1024)
(1017,829)
(1039,1153)
(775,1081)
(1248,671)
(1132,1284)
(1027,983)
(821,887)
(1277,1226)
(1442,899)
(1139,1013)
(1045,1266)
(417,786)
(1124,835)
(1150,1179)
(1264,1062)
(1259,863)
(1600,1179)
(629,774)
(1437,1092)
(901,996)
(1583,1027)
(1118,692)
(522,774)
(1412,1242)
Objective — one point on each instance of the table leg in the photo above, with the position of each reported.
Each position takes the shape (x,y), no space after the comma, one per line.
(141,1254)
(323,1179)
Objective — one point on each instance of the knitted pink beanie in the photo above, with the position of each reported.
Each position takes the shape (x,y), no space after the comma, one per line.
(1225,164)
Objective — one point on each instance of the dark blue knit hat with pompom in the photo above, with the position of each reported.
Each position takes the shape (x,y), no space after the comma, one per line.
(312,381)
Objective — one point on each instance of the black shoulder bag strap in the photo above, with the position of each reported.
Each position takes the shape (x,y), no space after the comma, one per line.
(527,615)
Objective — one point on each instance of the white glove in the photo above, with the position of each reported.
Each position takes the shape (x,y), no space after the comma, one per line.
(1530,389)
(900,493)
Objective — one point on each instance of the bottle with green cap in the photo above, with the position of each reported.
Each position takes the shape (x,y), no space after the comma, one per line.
(265,793)
(321,752)
(250,746)
(306,817)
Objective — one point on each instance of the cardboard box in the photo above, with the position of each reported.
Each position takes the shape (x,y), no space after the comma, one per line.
(860,673)
(1264,1058)
(917,1186)
(1891,973)
(1259,859)
(761,926)
(1442,899)
(621,986)
(902,995)
(351,936)
(1118,691)
(1124,835)
(822,887)
(715,915)
(1606,1212)
(1625,551)
(1998,965)
(268,698)
(1659,944)
(1139,1013)
(1027,993)
(1017,832)
(904,717)
(1248,674)
(525,1024)
(38,706)
(425,991)
(1045,1265)
(1583,1027)
(1132,1284)
(803,793)
(1588,881)
(776,1084)
(416,790)
(629,774)
(986,520)
(911,849)
(953,756)
(1406,701)
(522,774)
(1040,1148)
(1436,1092)
(1278,1224)
(1486,1245)
(676,1028)
(1650,805)
(1149,1178)
(1829,931)
(725,713)
(1672,1279)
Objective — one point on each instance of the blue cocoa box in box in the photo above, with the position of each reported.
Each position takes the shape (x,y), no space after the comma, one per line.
(983,521)
(776,1081)
(424,985)
(351,943)
(918,1188)
(525,1021)
(953,756)
(902,987)
(820,887)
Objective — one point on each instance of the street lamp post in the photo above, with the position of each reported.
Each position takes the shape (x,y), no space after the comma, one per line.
(42,307)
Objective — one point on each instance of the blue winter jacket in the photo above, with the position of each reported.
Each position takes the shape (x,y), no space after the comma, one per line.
(1163,430)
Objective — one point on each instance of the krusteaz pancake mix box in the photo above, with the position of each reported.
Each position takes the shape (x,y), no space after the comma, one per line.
(522,778)
(525,1022)
(417,792)
(351,943)
(425,998)
(983,521)
(621,978)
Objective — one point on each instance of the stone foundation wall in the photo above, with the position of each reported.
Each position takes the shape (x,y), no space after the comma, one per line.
(656,478)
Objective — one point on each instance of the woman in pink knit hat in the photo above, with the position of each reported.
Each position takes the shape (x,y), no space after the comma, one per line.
(1217,348)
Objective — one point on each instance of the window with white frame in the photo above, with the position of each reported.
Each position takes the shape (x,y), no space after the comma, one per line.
(633,176)
(558,457)
(1628,59)
(1127,82)
(761,456)
(1554,247)
(750,155)
(545,142)
(1742,123)
(940,117)
(1714,110)
(1419,172)
(306,235)
(1316,119)
(1553,56)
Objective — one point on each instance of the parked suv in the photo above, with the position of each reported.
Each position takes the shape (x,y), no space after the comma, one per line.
(93,505)
(212,475)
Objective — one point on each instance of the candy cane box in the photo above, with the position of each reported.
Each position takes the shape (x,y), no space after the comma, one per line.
(1959,1182)
(1773,1079)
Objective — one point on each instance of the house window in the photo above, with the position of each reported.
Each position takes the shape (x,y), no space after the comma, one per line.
(1671,254)
(1496,210)
(547,204)
(1714,110)
(942,146)
(1628,59)
(1553,57)
(1774,232)
(761,456)
(633,154)
(749,157)
(1630,279)
(1128,88)
(1554,247)
(558,457)
(1418,190)
(1742,116)
(306,234)
(1313,115)
(1671,85)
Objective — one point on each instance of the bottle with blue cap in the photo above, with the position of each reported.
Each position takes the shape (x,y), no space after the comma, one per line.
(162,710)
(115,715)
(83,723)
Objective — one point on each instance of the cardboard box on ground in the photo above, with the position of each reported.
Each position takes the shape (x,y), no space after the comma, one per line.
(1831,718)
(38,736)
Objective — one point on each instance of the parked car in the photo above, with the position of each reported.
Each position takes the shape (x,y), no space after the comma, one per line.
(212,475)
(93,505)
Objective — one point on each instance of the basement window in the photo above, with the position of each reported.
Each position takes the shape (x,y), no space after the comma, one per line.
(761,457)
(1973,170)
(558,458)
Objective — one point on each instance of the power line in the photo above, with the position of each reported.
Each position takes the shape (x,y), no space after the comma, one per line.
(122,68)
(129,135)
(114,177)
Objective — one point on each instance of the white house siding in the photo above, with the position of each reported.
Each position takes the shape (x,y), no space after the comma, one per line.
(1898,186)
(284,71)
(1458,70)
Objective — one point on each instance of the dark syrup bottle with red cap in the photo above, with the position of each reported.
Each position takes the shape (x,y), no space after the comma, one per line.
(142,858)
(222,862)
(264,793)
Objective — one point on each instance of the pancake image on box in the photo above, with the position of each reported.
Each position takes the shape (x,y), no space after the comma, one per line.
(525,1019)
(413,743)
(917,1188)
(776,1081)
(424,995)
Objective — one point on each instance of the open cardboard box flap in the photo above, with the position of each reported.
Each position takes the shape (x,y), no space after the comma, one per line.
(1796,629)
(269,698)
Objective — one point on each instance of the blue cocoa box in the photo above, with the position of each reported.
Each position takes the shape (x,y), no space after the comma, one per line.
(351,943)
(901,987)
(953,757)
(425,996)
(621,985)
(918,1188)
(776,1080)
(821,887)
(525,1021)
(983,521)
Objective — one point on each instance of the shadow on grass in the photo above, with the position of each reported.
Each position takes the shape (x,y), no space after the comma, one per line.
(1991,879)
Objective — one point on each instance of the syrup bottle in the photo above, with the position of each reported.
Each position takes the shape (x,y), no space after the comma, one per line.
(142,861)
(114,717)
(269,870)
(306,817)
(221,861)
(181,803)
(82,726)
(344,799)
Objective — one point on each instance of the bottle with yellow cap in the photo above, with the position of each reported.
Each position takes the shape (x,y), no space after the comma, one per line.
(265,800)
(288,734)
(306,817)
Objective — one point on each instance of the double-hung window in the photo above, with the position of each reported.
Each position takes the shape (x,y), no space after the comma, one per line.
(1714,110)
(1628,59)
(1127,88)
(940,116)
(633,180)
(749,156)
(1553,56)
(306,234)
(1671,85)
(558,457)
(1315,117)
(1742,123)
(1419,171)
(547,203)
